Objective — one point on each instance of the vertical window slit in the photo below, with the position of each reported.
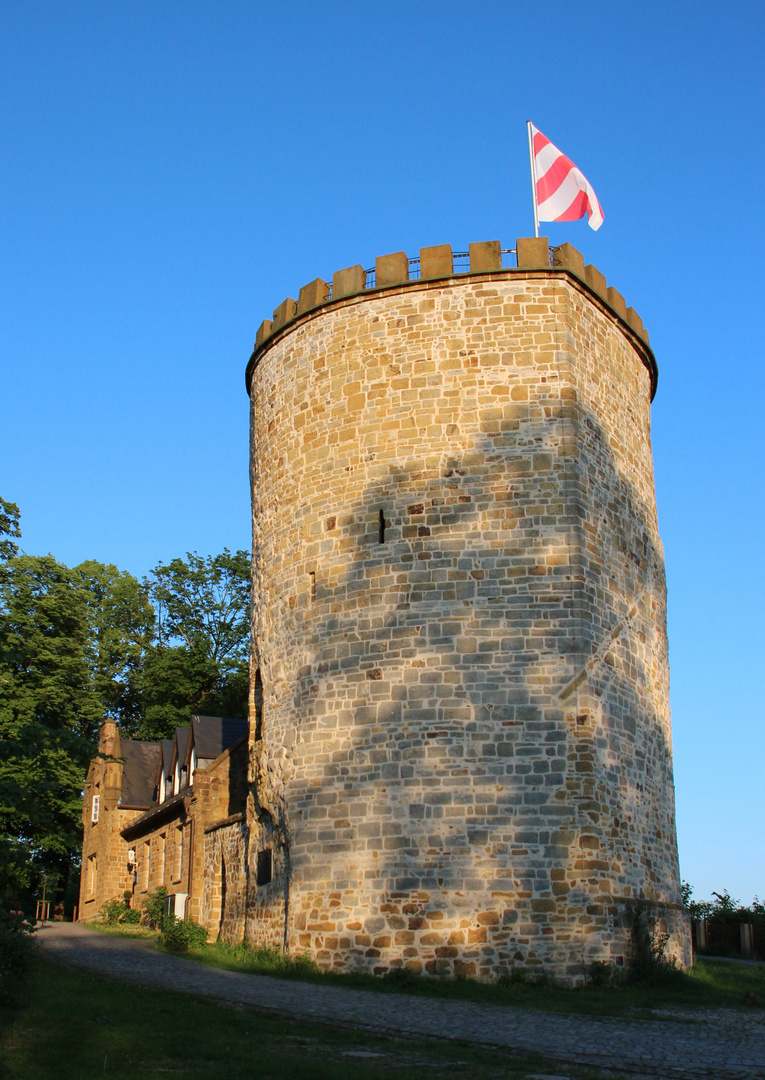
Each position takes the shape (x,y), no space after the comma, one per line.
(381,531)
(258,695)
(312,577)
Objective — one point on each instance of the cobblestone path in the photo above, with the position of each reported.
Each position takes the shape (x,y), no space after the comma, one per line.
(719,1043)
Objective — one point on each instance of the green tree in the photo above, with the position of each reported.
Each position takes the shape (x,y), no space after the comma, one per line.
(205,600)
(200,660)
(120,629)
(49,716)
(177,682)
(9,529)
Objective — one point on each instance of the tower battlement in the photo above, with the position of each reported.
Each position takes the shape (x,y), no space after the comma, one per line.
(440,263)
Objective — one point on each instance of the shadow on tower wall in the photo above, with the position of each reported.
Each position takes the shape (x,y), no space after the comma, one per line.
(481,774)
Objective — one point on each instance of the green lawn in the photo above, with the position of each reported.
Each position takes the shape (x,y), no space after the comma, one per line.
(710,983)
(69,1025)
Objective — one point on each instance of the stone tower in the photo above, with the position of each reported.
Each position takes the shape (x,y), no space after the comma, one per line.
(460,737)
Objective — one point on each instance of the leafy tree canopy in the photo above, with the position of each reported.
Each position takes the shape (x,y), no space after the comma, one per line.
(178,681)
(9,529)
(49,714)
(121,626)
(205,601)
(199,663)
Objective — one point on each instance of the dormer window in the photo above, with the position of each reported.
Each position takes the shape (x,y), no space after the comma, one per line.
(95,807)
(192,766)
(177,779)
(161,787)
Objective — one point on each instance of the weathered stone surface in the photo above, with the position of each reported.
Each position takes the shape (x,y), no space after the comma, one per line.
(348,281)
(596,281)
(533,251)
(484,256)
(391,269)
(465,724)
(311,295)
(284,313)
(566,256)
(436,261)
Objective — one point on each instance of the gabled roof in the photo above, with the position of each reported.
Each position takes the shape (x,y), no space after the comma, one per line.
(211,735)
(140,761)
(181,741)
(167,756)
(176,806)
(164,765)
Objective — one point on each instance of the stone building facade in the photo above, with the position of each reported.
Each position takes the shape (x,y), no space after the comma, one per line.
(119,787)
(170,814)
(460,757)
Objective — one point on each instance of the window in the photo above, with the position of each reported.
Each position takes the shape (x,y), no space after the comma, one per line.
(179,850)
(162,785)
(192,766)
(92,872)
(162,866)
(146,864)
(259,706)
(95,808)
(265,867)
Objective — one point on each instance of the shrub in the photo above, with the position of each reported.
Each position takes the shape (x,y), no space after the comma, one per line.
(649,963)
(114,912)
(15,948)
(605,976)
(179,935)
(154,906)
(400,977)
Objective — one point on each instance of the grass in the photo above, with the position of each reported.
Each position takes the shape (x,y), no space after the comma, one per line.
(70,1025)
(709,984)
(134,930)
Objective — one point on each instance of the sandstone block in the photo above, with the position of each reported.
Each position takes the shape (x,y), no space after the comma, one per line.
(284,313)
(264,330)
(568,258)
(485,256)
(391,269)
(311,295)
(533,252)
(616,300)
(348,282)
(436,262)
(596,281)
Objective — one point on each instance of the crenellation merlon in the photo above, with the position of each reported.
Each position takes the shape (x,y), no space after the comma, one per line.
(437,264)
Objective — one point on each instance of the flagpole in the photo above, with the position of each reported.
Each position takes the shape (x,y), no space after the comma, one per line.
(533,178)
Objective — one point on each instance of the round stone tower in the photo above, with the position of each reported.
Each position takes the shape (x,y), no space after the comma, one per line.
(461,753)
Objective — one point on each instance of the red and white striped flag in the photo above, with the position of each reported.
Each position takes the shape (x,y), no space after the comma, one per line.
(563,193)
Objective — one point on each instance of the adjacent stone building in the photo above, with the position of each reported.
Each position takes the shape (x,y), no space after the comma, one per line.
(119,787)
(170,814)
(460,754)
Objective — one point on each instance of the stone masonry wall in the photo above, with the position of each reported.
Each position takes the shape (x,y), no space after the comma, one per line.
(103,842)
(105,874)
(219,876)
(224,893)
(465,754)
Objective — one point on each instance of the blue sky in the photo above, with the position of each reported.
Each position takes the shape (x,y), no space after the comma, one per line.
(172,171)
